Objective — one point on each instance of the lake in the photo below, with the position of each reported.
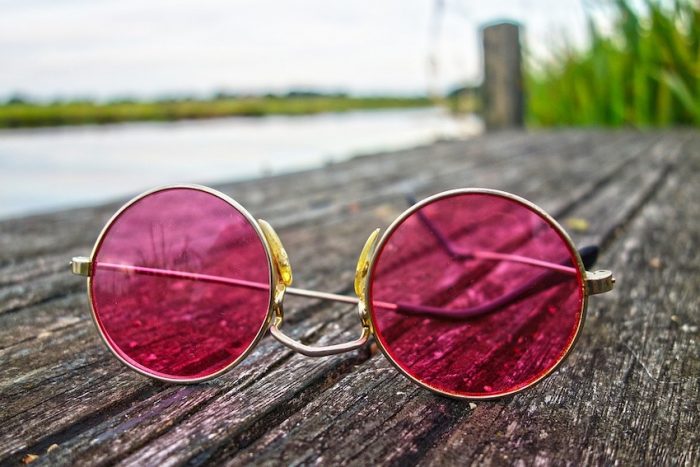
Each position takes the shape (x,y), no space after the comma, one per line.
(48,169)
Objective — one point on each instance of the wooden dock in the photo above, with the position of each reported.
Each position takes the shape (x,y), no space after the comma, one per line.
(628,394)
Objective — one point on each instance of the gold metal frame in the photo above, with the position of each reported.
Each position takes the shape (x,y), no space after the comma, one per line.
(446,194)
(82,267)
(280,280)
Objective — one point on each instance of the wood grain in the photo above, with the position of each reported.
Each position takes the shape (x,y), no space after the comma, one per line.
(628,394)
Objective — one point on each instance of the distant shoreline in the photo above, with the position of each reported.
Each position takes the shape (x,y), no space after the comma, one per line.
(34,115)
(47,169)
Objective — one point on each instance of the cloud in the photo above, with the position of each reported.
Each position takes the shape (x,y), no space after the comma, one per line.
(117,47)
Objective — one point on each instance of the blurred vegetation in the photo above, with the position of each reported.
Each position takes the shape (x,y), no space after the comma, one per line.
(644,72)
(20,112)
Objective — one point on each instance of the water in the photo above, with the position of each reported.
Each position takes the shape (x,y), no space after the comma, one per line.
(45,170)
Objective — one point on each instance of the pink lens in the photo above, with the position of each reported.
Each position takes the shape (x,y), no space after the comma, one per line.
(476,295)
(180,284)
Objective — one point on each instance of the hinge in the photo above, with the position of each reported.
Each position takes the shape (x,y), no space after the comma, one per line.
(599,282)
(81,266)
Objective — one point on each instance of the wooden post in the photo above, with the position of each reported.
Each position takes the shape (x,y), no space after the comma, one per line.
(503,81)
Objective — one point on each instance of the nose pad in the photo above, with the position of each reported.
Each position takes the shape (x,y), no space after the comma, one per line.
(363,264)
(279,255)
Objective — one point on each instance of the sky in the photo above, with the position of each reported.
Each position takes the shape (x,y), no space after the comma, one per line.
(150,48)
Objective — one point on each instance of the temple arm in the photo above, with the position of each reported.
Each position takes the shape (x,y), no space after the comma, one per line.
(83,266)
(588,254)
(540,282)
(598,282)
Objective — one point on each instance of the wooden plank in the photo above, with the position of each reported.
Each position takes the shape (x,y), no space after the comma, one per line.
(630,393)
(439,431)
(353,249)
(54,360)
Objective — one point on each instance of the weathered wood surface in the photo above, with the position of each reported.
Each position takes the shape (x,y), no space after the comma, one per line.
(628,394)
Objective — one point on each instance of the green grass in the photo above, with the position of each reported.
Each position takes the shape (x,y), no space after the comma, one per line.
(645,72)
(17,115)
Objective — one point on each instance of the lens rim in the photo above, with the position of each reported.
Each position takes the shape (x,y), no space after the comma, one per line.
(470,191)
(272,276)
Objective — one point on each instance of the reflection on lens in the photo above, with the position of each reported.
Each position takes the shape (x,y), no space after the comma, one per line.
(180,284)
(476,295)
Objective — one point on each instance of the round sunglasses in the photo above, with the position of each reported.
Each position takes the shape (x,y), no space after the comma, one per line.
(471,293)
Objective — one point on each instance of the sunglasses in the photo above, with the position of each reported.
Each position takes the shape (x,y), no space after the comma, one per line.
(471,293)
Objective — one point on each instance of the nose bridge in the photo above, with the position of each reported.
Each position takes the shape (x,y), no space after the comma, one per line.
(283,279)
